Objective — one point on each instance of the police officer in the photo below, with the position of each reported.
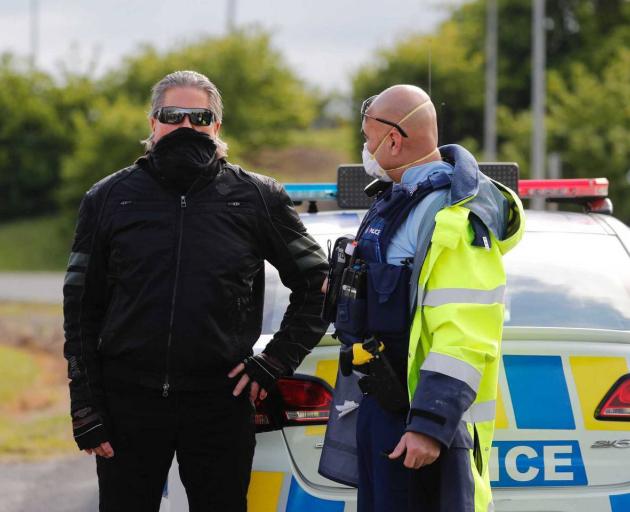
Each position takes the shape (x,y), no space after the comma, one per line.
(431,249)
(163,303)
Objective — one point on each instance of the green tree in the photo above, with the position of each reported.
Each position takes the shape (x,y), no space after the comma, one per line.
(456,83)
(588,31)
(32,141)
(263,98)
(589,124)
(588,84)
(107,139)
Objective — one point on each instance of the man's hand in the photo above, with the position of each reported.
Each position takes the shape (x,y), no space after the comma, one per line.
(255,391)
(104,450)
(262,371)
(421,450)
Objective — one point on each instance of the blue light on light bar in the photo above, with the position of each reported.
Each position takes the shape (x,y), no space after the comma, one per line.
(311,191)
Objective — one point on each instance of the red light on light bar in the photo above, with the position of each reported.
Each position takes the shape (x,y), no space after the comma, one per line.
(563,189)
(616,404)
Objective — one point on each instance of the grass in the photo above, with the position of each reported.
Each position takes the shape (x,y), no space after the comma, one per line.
(34,438)
(18,371)
(28,309)
(34,244)
(339,139)
(31,424)
(310,156)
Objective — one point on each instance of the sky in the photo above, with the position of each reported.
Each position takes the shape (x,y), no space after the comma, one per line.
(324,41)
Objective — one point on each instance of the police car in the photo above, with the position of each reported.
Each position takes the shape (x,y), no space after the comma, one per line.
(562,438)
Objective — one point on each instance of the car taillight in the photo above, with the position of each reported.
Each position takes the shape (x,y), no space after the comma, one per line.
(305,401)
(298,400)
(616,404)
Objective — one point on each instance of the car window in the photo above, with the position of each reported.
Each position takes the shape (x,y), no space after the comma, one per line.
(277,295)
(276,300)
(568,280)
(554,280)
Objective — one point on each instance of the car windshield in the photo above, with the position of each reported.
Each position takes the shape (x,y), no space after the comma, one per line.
(568,280)
(554,280)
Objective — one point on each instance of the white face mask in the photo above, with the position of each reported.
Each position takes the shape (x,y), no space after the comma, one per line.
(371,165)
(374,169)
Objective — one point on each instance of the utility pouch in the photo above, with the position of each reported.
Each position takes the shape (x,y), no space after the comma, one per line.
(352,304)
(385,385)
(338,259)
(339,458)
(388,298)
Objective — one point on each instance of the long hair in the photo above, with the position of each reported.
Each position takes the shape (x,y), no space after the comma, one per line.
(188,79)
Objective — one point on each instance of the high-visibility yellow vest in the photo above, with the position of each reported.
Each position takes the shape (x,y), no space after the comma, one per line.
(458,323)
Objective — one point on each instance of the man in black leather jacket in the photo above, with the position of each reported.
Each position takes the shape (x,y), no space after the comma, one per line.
(163,303)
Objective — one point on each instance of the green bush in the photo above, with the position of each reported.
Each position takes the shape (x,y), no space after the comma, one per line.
(456,83)
(263,98)
(32,142)
(107,138)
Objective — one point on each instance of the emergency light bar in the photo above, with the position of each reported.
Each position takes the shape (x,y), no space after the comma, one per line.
(592,193)
(589,188)
(349,193)
(352,182)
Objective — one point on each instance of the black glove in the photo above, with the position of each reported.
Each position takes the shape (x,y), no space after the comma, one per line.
(264,369)
(88,428)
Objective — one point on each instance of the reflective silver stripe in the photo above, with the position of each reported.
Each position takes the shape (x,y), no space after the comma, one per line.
(78,259)
(74,279)
(307,261)
(90,430)
(480,412)
(463,296)
(491,506)
(304,243)
(453,367)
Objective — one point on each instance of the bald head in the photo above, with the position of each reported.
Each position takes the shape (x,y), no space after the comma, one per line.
(400,130)
(398,104)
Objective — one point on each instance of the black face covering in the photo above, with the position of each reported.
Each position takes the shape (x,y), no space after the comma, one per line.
(182,156)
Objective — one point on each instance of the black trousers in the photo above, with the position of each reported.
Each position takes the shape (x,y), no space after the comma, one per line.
(212,433)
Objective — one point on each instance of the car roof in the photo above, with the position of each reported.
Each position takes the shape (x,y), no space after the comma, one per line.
(342,221)
(333,222)
(566,222)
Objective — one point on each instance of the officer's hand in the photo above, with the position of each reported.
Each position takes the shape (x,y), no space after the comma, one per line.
(325,286)
(421,450)
(255,391)
(104,450)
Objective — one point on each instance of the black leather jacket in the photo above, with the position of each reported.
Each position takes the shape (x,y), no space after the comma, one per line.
(165,291)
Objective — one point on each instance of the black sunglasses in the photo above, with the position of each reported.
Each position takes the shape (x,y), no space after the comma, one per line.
(175,115)
(366,104)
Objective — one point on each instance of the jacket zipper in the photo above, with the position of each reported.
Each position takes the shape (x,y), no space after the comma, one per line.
(166,385)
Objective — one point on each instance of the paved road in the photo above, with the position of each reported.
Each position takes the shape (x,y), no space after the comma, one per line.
(31,286)
(61,485)
(66,484)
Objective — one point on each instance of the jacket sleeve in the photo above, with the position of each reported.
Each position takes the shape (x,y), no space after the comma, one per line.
(84,305)
(302,266)
(462,321)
